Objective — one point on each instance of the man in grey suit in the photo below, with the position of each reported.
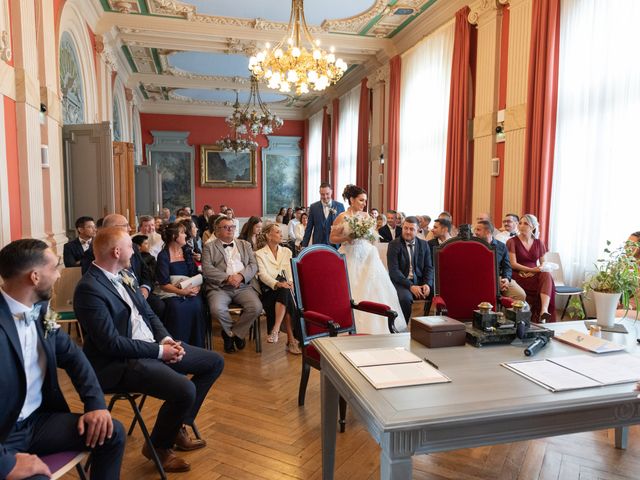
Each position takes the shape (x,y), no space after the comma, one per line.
(228,266)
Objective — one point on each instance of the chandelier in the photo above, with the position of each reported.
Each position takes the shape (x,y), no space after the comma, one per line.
(291,64)
(236,142)
(255,118)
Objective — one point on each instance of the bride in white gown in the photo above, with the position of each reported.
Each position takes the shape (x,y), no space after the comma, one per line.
(368,278)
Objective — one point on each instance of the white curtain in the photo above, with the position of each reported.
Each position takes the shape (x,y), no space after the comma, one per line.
(424,113)
(597,159)
(348,140)
(314,160)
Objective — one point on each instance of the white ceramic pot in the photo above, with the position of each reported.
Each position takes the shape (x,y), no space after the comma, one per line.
(606,305)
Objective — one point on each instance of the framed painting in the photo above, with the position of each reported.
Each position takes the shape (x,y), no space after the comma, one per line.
(226,169)
(281,174)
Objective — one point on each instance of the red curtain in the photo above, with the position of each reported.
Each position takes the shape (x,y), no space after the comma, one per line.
(324,148)
(393,143)
(364,118)
(542,103)
(335,116)
(459,167)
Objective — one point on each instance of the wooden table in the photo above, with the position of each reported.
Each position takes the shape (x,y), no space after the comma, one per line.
(484,404)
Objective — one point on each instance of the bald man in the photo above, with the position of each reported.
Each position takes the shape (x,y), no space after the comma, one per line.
(131,351)
(138,267)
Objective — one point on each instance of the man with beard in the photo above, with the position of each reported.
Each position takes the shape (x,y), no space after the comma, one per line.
(35,419)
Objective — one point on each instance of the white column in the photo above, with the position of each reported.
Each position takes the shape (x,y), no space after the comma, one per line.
(5,210)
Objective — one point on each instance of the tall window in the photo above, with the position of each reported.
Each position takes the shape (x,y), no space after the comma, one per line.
(594,195)
(314,153)
(424,112)
(348,139)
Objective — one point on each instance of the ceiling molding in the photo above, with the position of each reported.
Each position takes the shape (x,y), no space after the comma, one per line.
(186,108)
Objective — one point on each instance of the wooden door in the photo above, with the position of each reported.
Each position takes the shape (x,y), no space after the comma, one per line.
(124,181)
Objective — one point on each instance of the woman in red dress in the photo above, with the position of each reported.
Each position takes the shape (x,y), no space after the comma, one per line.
(526,253)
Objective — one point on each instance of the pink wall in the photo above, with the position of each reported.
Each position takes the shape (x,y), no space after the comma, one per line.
(13,172)
(205,131)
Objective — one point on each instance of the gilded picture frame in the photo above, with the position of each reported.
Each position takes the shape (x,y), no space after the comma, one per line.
(220,169)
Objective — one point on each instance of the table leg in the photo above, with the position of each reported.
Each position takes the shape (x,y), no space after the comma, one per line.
(396,465)
(621,437)
(329,417)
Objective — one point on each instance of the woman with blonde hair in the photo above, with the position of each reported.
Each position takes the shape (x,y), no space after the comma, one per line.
(526,253)
(274,272)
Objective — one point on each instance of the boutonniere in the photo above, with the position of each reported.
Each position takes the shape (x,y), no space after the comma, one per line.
(333,211)
(50,321)
(128,280)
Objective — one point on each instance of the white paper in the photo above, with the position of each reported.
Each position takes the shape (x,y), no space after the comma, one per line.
(620,368)
(588,342)
(550,375)
(194,281)
(380,356)
(403,375)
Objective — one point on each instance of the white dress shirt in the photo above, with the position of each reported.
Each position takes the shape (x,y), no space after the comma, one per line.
(233,259)
(35,360)
(292,227)
(139,328)
(504,236)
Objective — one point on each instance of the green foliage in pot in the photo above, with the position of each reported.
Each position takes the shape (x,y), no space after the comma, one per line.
(617,272)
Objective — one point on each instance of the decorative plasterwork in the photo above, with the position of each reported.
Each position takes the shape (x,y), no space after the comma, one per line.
(381,75)
(482,6)
(5,38)
(358,22)
(244,47)
(125,6)
(170,70)
(106,53)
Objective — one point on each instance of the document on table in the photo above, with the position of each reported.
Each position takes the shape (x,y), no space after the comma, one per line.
(588,342)
(368,357)
(393,367)
(579,371)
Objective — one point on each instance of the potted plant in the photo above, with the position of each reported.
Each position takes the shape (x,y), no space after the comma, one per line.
(616,281)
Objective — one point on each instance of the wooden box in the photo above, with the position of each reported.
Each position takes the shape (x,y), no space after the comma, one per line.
(438,331)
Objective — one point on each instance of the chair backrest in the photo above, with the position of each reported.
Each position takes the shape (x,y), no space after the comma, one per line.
(466,274)
(557,275)
(382,251)
(60,463)
(322,285)
(62,299)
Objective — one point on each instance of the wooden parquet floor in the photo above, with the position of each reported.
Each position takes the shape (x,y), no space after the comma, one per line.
(255,430)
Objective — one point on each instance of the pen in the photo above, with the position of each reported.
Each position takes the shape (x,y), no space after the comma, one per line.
(431,363)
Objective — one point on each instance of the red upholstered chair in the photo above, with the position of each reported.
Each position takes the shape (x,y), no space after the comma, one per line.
(466,274)
(325,306)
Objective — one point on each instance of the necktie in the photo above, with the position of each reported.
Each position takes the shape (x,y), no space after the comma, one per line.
(410,245)
(225,245)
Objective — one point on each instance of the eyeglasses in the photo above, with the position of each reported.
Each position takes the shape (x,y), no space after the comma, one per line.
(228,228)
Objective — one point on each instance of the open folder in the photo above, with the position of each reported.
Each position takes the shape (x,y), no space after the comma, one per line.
(393,367)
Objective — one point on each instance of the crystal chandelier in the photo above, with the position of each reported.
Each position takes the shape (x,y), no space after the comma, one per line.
(255,118)
(236,142)
(291,64)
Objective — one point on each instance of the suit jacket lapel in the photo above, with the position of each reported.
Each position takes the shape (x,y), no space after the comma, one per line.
(8,324)
(220,248)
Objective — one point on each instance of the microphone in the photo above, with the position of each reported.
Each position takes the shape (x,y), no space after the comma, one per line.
(537,345)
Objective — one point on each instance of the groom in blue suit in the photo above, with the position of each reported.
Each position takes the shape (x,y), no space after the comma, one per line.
(321,217)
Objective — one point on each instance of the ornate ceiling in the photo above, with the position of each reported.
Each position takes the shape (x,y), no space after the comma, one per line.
(190,56)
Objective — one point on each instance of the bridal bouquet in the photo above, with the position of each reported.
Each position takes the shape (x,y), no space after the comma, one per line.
(361,227)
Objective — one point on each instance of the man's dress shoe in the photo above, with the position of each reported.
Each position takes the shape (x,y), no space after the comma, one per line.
(239,342)
(170,462)
(228,343)
(185,444)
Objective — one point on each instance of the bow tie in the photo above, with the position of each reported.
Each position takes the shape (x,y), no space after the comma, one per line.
(225,245)
(512,234)
(30,316)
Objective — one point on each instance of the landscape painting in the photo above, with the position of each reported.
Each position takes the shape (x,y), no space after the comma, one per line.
(226,169)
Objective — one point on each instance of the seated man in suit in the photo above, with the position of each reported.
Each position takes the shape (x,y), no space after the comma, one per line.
(441,232)
(391,230)
(35,418)
(131,351)
(509,228)
(508,286)
(74,250)
(138,266)
(228,266)
(410,268)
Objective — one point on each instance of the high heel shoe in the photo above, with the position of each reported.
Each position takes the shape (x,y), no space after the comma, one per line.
(545,317)
(293,347)
(273,336)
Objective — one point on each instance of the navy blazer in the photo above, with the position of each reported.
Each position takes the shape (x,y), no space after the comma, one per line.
(318,225)
(138,266)
(72,253)
(106,318)
(398,263)
(61,352)
(385,233)
(502,258)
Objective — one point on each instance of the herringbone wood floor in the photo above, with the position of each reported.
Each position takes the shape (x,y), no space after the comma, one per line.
(255,430)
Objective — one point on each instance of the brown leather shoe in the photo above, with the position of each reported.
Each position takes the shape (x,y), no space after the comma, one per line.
(185,444)
(169,460)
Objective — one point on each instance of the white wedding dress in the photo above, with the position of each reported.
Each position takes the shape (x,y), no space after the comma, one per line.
(369,280)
